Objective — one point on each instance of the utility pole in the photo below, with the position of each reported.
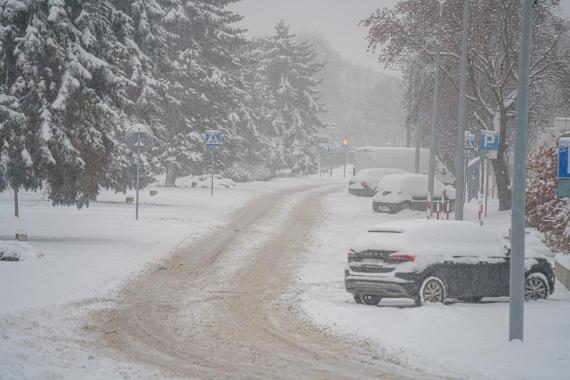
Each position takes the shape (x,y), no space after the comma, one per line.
(518,220)
(434,114)
(460,148)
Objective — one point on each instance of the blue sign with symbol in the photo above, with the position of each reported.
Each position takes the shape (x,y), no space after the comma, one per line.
(213,138)
(563,188)
(563,157)
(470,142)
(489,140)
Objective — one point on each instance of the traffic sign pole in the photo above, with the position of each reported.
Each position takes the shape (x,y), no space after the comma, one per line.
(212,160)
(487,176)
(139,143)
(516,279)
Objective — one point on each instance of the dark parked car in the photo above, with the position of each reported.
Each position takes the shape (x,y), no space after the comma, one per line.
(431,261)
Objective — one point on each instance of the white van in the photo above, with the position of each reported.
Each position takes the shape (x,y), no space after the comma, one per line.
(399,158)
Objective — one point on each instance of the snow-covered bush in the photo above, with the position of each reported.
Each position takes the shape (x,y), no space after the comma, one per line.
(544,210)
(17,251)
(241,172)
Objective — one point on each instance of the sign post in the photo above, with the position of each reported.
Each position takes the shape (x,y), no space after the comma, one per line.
(345,149)
(488,148)
(213,139)
(139,140)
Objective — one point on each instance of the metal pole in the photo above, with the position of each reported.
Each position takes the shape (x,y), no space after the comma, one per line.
(460,149)
(516,280)
(418,145)
(16,203)
(345,160)
(434,115)
(138,175)
(410,117)
(487,173)
(212,160)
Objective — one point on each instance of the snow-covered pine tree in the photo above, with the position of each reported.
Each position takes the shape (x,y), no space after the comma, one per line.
(203,91)
(66,92)
(286,77)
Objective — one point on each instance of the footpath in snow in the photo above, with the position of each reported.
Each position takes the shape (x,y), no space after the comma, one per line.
(460,340)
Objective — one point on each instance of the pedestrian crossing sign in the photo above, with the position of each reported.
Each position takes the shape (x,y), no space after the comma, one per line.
(213,138)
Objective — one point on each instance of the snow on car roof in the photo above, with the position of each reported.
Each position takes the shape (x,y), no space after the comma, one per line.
(379,172)
(410,183)
(431,237)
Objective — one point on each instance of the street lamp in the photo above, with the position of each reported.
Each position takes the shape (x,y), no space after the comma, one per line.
(434,115)
(460,148)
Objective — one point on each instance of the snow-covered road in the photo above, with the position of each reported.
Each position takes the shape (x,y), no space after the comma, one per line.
(248,284)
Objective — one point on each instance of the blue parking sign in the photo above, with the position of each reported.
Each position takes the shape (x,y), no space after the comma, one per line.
(563,157)
(213,138)
(489,140)
(563,188)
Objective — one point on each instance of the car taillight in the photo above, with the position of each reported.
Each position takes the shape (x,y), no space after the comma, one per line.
(401,257)
(364,184)
(351,254)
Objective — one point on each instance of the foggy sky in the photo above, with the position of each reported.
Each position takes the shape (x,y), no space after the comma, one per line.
(337,20)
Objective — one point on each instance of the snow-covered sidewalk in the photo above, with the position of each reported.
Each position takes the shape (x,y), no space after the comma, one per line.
(458,340)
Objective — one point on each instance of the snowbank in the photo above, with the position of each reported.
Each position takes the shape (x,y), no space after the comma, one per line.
(17,251)
(563,260)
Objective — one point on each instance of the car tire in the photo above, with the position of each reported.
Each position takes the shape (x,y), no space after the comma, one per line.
(357,298)
(536,287)
(370,299)
(433,290)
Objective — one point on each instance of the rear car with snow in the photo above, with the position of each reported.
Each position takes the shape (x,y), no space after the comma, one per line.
(397,192)
(365,182)
(430,261)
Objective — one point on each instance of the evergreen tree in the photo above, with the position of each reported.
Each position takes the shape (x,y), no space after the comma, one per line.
(67,97)
(286,80)
(203,91)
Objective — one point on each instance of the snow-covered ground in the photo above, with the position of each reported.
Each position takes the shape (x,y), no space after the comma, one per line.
(85,256)
(463,340)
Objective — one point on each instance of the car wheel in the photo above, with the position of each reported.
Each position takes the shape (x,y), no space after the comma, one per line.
(357,298)
(371,300)
(536,287)
(432,291)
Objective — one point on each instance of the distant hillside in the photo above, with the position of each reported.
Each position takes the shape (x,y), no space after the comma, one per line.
(365,105)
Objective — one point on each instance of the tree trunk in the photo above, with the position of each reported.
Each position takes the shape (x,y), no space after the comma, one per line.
(16,204)
(171,175)
(501,169)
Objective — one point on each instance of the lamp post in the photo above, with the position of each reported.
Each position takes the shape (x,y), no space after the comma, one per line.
(460,148)
(434,115)
(516,278)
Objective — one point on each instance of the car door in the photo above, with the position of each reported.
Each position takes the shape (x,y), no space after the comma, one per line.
(466,276)
(497,284)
